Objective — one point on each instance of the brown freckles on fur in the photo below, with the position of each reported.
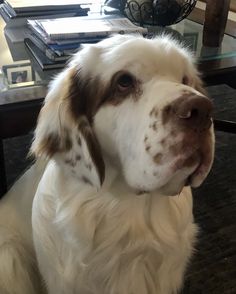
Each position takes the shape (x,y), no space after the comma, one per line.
(173,133)
(86,180)
(154,126)
(166,114)
(157,158)
(49,145)
(78,157)
(70,162)
(147,148)
(163,142)
(89,166)
(79,141)
(190,161)
(67,140)
(154,112)
(177,148)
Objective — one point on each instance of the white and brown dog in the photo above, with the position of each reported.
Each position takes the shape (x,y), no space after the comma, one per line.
(126,126)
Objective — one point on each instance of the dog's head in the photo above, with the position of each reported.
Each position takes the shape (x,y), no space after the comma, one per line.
(137,102)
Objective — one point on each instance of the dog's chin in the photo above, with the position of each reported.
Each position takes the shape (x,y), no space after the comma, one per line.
(194,179)
(174,186)
(171,189)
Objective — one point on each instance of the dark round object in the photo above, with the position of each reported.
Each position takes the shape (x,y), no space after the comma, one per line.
(155,12)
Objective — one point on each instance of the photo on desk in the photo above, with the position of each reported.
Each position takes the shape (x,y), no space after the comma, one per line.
(18,75)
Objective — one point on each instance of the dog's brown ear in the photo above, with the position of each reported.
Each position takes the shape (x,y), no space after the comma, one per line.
(64,130)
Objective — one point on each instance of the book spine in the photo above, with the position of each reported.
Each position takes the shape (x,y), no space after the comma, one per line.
(9,8)
(78,35)
(4,15)
(102,34)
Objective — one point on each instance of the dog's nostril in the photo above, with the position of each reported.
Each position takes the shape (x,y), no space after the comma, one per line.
(193,111)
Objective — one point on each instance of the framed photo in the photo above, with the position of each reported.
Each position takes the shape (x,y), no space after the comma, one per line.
(18,75)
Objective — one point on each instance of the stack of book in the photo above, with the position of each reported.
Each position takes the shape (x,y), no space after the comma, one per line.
(53,41)
(15,12)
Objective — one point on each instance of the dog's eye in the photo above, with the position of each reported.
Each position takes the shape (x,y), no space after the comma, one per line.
(125,81)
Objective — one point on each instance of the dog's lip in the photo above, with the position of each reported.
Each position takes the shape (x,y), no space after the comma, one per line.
(196,178)
(189,159)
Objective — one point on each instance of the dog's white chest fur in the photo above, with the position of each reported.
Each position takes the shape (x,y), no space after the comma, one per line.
(111,241)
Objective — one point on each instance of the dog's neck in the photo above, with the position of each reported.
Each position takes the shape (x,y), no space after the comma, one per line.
(112,221)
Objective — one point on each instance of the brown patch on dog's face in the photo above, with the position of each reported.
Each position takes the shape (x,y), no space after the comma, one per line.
(163,142)
(154,126)
(191,160)
(147,148)
(84,95)
(87,95)
(178,148)
(157,158)
(166,114)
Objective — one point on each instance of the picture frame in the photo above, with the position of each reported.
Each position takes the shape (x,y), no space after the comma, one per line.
(19,75)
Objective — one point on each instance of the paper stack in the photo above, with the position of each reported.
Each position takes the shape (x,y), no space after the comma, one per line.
(58,39)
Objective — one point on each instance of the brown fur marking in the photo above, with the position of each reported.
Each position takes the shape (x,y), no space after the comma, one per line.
(166,114)
(157,158)
(147,148)
(49,145)
(93,146)
(154,126)
(154,112)
(86,180)
(78,157)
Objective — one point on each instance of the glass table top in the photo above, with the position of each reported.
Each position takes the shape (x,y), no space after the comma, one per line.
(192,32)
(18,71)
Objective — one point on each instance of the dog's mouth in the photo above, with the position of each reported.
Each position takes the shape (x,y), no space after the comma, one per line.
(189,169)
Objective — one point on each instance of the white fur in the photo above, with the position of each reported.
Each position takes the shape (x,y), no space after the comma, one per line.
(94,237)
(18,267)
